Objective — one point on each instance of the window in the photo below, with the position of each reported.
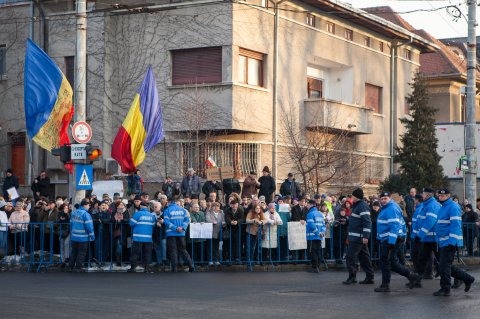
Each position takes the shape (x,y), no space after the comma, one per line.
(380,46)
(373,97)
(314,88)
(264,3)
(202,65)
(331,27)
(17,157)
(3,62)
(70,70)
(250,67)
(310,19)
(366,41)
(349,34)
(407,54)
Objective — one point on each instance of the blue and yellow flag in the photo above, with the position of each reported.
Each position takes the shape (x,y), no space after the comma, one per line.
(48,99)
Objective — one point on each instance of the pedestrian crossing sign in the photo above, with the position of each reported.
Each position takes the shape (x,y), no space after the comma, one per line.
(83,176)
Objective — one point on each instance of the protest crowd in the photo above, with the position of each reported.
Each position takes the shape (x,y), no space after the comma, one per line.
(186,224)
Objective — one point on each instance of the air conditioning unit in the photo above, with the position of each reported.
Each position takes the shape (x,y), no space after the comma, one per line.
(112,167)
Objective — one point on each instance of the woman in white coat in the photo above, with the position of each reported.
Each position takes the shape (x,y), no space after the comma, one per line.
(270,234)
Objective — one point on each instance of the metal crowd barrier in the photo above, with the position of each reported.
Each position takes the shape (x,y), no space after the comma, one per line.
(42,245)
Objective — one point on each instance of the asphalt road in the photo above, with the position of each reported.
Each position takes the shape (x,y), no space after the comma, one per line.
(224,295)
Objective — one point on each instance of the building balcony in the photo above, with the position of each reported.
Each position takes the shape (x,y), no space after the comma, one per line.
(336,115)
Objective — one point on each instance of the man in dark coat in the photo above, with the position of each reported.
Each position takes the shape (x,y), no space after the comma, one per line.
(9,182)
(267,185)
(290,187)
(191,184)
(41,186)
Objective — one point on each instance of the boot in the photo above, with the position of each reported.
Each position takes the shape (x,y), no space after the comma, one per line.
(468,284)
(441,292)
(350,281)
(382,289)
(414,280)
(457,283)
(367,281)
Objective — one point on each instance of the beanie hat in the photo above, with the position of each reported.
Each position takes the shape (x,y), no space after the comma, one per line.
(358,193)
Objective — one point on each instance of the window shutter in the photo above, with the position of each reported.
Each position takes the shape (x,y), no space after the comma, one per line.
(203,65)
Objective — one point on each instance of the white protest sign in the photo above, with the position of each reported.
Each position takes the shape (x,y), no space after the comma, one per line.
(283,208)
(201,230)
(12,192)
(297,236)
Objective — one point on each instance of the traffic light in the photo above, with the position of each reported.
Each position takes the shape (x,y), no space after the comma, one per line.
(64,152)
(93,152)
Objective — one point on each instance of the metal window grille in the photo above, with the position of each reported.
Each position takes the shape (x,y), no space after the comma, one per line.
(242,157)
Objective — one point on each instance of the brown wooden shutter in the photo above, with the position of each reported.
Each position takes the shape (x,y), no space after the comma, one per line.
(373,97)
(203,65)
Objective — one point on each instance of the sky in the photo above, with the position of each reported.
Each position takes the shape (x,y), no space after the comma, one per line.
(438,23)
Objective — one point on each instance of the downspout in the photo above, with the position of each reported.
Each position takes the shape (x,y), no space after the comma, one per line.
(393,100)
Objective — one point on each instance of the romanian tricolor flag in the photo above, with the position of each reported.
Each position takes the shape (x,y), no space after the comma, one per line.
(210,162)
(142,129)
(47,98)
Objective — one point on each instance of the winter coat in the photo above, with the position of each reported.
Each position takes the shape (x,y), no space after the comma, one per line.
(211,187)
(81,226)
(217,221)
(267,187)
(21,219)
(142,224)
(299,213)
(170,190)
(427,220)
(270,233)
(291,188)
(315,224)
(134,184)
(449,225)
(9,182)
(249,186)
(195,187)
(42,186)
(359,223)
(389,226)
(231,185)
(254,222)
(175,216)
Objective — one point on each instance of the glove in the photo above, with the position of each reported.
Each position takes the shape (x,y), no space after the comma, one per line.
(391,247)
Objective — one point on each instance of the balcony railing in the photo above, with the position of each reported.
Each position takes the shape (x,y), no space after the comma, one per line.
(323,113)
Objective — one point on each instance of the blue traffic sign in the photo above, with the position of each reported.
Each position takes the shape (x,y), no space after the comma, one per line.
(83,176)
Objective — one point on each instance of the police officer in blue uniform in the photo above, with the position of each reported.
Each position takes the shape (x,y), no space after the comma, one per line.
(81,233)
(426,234)
(389,228)
(450,237)
(315,234)
(359,231)
(142,224)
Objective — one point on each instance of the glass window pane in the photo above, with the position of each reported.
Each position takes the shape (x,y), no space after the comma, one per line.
(254,72)
(242,68)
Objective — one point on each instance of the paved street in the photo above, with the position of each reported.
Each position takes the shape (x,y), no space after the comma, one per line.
(223,295)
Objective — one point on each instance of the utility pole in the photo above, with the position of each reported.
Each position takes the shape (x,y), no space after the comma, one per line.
(470,121)
(80,79)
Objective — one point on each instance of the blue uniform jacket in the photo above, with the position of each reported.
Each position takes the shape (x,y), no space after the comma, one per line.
(388,223)
(359,224)
(315,224)
(427,220)
(449,224)
(415,216)
(81,226)
(175,216)
(142,224)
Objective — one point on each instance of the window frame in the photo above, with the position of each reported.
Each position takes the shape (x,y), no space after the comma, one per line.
(407,54)
(201,72)
(330,27)
(3,61)
(312,80)
(310,20)
(349,34)
(367,41)
(381,46)
(254,55)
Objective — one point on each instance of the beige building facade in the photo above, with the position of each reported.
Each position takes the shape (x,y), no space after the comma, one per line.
(334,69)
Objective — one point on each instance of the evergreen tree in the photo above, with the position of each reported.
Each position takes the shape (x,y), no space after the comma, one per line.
(418,157)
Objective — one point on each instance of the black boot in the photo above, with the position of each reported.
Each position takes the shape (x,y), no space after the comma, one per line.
(441,292)
(468,284)
(414,280)
(457,283)
(350,281)
(367,281)
(382,288)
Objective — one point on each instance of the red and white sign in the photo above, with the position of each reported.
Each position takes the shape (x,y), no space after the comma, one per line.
(81,132)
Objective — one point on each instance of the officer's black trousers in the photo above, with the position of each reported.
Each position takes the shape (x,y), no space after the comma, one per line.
(358,250)
(388,262)
(448,270)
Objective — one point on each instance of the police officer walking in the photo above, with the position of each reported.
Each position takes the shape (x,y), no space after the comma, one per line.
(450,237)
(81,232)
(389,230)
(359,229)
(426,236)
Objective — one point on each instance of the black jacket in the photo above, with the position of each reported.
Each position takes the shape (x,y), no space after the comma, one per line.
(267,187)
(299,213)
(231,185)
(237,215)
(211,187)
(290,188)
(43,187)
(170,190)
(9,182)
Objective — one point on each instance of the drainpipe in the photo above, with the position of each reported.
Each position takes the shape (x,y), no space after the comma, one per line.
(274,90)
(393,99)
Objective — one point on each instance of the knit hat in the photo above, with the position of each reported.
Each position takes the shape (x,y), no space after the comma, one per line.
(468,205)
(358,193)
(266,169)
(273,205)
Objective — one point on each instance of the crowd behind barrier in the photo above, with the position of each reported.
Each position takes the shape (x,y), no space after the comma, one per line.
(34,245)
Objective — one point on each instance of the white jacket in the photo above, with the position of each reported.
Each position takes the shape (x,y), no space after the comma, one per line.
(269,231)
(3,221)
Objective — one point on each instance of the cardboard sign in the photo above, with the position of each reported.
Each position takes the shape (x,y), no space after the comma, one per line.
(219,173)
(297,236)
(201,230)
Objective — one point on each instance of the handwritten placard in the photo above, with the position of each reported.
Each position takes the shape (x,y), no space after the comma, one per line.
(201,230)
(297,236)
